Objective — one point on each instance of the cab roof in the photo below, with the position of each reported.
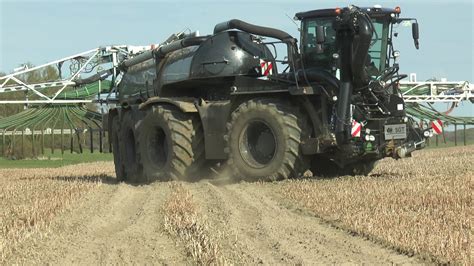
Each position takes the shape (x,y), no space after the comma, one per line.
(331,12)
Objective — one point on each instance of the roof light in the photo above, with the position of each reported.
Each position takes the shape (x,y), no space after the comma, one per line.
(398,10)
(338,11)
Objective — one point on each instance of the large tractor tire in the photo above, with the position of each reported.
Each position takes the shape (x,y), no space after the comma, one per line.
(171,144)
(263,141)
(114,134)
(324,167)
(129,151)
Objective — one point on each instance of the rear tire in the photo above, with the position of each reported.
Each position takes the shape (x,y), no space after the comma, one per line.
(114,133)
(128,136)
(363,167)
(263,141)
(171,144)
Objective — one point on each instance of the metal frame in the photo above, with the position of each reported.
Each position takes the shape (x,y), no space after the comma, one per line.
(94,55)
(438,91)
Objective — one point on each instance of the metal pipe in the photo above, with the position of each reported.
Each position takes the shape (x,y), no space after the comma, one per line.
(465,140)
(455,135)
(23,143)
(100,141)
(91,139)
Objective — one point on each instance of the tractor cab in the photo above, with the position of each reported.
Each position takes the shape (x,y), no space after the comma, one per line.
(320,46)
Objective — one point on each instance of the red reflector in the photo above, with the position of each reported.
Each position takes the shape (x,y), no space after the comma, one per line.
(338,11)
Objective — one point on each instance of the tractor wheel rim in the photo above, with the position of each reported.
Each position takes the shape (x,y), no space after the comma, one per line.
(158,147)
(257,144)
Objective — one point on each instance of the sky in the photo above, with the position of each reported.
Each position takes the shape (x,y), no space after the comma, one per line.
(44,30)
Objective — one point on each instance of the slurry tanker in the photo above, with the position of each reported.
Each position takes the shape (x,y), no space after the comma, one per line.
(329,103)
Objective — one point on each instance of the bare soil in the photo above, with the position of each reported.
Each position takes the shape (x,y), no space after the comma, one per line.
(123,223)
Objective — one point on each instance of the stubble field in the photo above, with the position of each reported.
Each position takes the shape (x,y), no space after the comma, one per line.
(408,211)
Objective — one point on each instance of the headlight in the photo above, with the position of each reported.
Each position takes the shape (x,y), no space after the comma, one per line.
(369,137)
(426,134)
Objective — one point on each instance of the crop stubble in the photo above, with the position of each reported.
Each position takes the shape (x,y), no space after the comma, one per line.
(31,198)
(418,206)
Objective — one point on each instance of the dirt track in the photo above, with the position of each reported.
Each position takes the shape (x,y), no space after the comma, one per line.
(121,223)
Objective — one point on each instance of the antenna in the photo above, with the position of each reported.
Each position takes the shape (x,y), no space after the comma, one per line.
(292,20)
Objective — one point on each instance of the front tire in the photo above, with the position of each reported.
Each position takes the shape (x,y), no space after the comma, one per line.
(263,141)
(171,144)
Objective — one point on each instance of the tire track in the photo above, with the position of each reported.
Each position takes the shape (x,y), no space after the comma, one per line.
(258,229)
(118,224)
(124,224)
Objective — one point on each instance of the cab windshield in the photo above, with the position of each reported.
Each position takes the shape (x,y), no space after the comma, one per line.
(314,57)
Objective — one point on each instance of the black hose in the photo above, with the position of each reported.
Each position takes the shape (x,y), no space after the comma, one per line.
(315,75)
(163,50)
(253,29)
(96,77)
(365,31)
(176,45)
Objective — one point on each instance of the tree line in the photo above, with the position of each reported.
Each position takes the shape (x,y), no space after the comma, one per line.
(49,73)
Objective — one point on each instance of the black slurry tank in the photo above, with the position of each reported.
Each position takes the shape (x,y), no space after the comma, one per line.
(200,62)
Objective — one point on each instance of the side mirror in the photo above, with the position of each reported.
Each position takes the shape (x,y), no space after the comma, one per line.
(416,34)
(320,34)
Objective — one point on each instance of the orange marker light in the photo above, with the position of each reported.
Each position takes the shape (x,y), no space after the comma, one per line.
(338,11)
(398,10)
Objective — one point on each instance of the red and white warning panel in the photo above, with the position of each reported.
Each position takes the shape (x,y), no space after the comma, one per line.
(266,67)
(437,126)
(356,128)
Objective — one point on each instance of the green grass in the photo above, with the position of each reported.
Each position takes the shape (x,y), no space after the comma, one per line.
(56,160)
